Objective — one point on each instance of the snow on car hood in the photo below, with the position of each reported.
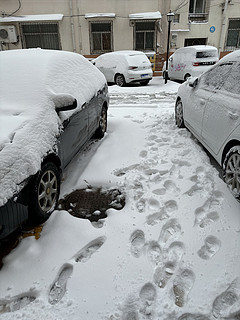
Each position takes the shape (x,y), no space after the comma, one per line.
(30,80)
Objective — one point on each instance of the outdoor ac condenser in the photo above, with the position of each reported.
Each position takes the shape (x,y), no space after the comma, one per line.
(8,34)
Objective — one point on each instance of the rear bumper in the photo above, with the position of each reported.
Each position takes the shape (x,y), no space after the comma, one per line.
(12,214)
(136,76)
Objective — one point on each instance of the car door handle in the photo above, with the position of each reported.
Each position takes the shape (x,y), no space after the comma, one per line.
(233,115)
(202,102)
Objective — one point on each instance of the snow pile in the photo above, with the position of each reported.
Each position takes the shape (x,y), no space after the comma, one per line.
(29,123)
(171,253)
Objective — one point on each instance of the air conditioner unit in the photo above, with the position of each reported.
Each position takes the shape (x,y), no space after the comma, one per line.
(8,34)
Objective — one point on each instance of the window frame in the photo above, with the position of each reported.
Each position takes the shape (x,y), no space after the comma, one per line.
(39,34)
(145,33)
(99,51)
(231,48)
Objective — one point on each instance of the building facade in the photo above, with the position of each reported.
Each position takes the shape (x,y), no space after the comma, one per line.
(80,26)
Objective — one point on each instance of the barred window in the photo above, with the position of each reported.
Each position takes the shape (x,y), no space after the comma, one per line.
(101,37)
(41,35)
(144,35)
(233,37)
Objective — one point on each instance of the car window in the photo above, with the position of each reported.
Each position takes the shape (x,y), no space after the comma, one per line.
(207,54)
(215,77)
(232,84)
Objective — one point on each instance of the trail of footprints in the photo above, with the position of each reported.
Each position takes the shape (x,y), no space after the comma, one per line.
(166,252)
(59,286)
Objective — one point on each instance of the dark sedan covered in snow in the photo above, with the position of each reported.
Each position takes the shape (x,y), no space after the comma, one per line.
(51,104)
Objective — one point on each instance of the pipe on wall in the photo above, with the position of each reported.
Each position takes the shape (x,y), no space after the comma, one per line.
(72,26)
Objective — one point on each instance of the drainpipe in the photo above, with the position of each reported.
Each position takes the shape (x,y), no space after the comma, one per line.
(224,19)
(72,26)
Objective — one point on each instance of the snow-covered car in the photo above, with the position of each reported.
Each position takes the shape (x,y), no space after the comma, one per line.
(121,67)
(51,104)
(209,107)
(190,61)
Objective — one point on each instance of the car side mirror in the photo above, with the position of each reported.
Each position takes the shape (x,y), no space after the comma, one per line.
(193,82)
(67,107)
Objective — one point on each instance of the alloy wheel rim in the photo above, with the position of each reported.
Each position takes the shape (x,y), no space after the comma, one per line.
(232,175)
(47,191)
(119,81)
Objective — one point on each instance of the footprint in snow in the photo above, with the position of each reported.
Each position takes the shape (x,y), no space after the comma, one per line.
(137,241)
(190,316)
(58,287)
(226,300)
(182,284)
(147,296)
(17,302)
(86,252)
(130,308)
(210,248)
(169,230)
(154,252)
(163,273)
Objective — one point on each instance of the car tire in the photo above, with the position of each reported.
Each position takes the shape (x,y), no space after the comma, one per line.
(231,170)
(179,114)
(120,80)
(102,127)
(187,76)
(44,193)
(144,83)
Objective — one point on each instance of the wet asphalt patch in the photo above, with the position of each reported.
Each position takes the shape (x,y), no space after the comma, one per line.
(92,203)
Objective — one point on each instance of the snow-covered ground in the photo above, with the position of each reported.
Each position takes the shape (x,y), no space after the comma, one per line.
(173,251)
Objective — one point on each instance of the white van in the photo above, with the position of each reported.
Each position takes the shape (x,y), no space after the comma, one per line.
(121,67)
(191,61)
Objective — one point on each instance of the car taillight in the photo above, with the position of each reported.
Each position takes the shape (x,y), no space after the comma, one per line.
(132,68)
(196,64)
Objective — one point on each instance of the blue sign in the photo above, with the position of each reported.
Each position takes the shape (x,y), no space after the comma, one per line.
(212,29)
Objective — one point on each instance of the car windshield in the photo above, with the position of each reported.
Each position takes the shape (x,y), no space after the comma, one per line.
(207,54)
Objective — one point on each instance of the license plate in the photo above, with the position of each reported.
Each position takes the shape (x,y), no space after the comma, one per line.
(144,75)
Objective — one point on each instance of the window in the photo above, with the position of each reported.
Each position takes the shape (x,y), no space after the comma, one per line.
(195,42)
(197,6)
(144,35)
(232,84)
(233,37)
(44,35)
(176,18)
(101,37)
(197,10)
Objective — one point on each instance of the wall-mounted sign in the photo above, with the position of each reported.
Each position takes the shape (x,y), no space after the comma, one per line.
(212,29)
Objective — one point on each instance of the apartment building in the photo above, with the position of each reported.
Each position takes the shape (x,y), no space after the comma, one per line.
(92,27)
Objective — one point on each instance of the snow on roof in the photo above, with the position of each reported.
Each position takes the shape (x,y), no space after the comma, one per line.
(145,15)
(100,15)
(33,17)
(180,30)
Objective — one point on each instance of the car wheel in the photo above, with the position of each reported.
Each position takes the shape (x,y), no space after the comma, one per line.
(231,170)
(144,83)
(102,127)
(179,114)
(44,193)
(119,80)
(187,76)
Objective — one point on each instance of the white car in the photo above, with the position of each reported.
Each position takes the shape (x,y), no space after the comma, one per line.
(121,67)
(190,61)
(209,107)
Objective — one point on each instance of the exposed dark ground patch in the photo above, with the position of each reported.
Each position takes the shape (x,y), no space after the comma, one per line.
(92,203)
